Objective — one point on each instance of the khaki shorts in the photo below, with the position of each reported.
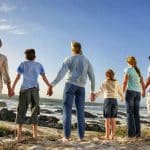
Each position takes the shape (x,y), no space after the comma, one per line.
(148,102)
(26,98)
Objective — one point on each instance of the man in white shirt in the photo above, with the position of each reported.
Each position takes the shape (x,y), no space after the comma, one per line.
(4,75)
(148,88)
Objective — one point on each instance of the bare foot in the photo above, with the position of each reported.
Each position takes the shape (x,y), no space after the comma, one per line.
(34,136)
(18,139)
(105,138)
(66,139)
(112,137)
(80,140)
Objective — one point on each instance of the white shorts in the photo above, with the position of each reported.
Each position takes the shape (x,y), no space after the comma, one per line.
(148,102)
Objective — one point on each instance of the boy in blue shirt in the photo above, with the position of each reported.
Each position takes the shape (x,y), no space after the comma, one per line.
(29,93)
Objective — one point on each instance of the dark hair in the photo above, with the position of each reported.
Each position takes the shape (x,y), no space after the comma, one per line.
(110,73)
(30,54)
(0,43)
(77,47)
(149,57)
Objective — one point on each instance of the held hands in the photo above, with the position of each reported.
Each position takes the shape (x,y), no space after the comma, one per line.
(143,93)
(50,90)
(11,92)
(92,97)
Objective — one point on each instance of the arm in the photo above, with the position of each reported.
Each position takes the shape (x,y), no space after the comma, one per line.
(92,79)
(5,75)
(60,74)
(120,92)
(50,88)
(45,79)
(15,82)
(147,82)
(100,92)
(143,87)
(125,82)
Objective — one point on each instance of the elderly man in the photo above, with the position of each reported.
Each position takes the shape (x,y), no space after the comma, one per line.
(4,75)
(77,68)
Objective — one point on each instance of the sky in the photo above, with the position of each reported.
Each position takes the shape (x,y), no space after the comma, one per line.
(109,31)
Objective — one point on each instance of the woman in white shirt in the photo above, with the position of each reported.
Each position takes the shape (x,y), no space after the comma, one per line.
(110,90)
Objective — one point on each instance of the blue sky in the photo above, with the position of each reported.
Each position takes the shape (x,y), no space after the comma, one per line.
(109,30)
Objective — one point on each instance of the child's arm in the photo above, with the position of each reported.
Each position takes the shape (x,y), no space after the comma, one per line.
(100,91)
(120,92)
(45,80)
(15,82)
(50,88)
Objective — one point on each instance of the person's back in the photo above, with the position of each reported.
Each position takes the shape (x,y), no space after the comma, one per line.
(29,93)
(111,89)
(30,71)
(134,83)
(4,75)
(77,69)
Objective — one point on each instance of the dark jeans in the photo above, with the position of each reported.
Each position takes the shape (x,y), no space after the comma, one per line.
(71,93)
(133,116)
(110,108)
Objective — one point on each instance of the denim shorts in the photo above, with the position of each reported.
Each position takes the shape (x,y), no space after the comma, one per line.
(110,108)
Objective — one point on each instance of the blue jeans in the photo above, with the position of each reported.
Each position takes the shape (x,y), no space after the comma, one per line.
(71,93)
(133,115)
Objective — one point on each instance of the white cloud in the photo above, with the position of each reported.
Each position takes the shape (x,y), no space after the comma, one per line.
(4,7)
(18,31)
(5,26)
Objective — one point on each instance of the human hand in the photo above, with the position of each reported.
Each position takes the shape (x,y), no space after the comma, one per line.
(50,90)
(11,92)
(92,97)
(143,93)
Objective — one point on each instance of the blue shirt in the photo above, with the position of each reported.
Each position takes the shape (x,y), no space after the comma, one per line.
(134,83)
(30,71)
(77,68)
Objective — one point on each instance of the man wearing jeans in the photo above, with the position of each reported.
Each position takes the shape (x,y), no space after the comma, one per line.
(78,68)
(148,89)
(4,75)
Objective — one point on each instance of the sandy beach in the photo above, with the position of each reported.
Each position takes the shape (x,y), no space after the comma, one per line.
(50,139)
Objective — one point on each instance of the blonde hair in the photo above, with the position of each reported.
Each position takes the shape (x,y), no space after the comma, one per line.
(111,74)
(131,60)
(76,47)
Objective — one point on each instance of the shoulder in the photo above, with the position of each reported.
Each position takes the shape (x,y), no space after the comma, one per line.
(3,57)
(149,69)
(128,70)
(38,64)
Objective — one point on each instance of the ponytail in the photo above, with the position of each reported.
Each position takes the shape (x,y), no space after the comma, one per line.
(138,71)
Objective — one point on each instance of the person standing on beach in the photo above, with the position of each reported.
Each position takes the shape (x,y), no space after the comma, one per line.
(29,93)
(78,68)
(110,91)
(147,87)
(133,84)
(4,75)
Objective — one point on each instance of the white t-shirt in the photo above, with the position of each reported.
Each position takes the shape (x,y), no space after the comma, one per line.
(110,89)
(148,76)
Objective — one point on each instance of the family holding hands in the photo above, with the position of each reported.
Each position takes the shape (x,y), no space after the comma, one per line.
(78,68)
